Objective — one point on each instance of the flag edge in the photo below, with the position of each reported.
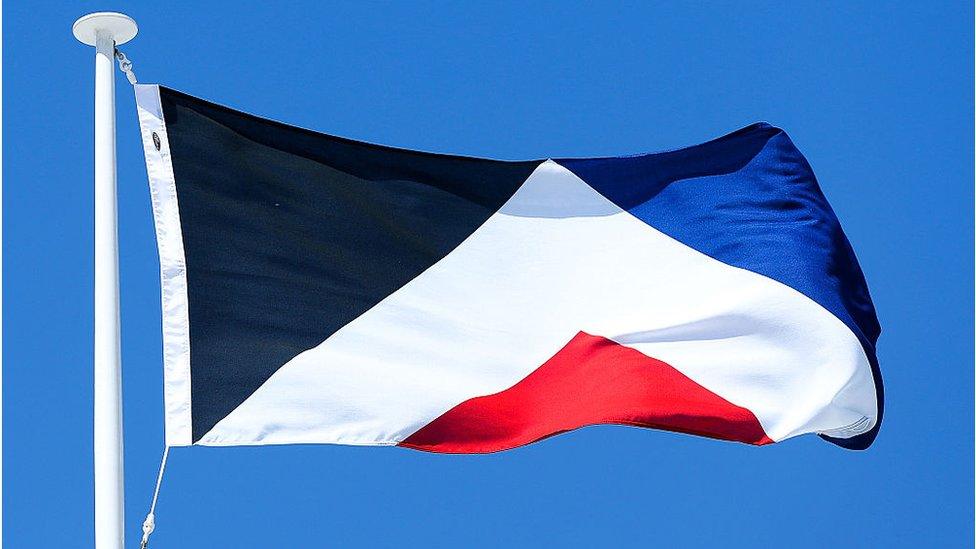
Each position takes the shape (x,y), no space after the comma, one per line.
(172,266)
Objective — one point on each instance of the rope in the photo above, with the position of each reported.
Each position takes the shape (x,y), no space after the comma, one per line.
(149,524)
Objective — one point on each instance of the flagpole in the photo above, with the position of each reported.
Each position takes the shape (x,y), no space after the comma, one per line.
(104,31)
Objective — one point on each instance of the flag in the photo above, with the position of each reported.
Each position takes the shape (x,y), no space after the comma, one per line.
(317,289)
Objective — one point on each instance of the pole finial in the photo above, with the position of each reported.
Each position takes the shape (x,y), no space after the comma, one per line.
(121,27)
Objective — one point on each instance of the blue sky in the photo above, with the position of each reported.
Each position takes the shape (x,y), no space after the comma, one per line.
(880,100)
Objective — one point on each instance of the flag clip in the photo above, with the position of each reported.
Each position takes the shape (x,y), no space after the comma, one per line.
(126,66)
(147,528)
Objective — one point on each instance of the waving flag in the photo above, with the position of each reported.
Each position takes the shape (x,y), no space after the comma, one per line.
(322,290)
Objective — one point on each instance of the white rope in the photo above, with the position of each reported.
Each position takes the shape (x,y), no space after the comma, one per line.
(126,66)
(149,524)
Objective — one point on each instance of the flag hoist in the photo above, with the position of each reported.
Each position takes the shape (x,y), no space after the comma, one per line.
(104,31)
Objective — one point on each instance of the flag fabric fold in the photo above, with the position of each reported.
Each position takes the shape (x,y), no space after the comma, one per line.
(317,289)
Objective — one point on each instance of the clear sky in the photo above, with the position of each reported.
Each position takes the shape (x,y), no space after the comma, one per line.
(879,98)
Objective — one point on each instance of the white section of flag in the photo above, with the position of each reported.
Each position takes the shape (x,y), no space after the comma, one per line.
(172,263)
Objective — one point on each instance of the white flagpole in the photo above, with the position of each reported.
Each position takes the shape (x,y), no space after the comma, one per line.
(104,31)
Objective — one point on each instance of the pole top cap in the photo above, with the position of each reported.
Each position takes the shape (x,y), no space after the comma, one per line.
(120,26)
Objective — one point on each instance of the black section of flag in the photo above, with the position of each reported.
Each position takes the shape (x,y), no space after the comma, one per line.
(291,234)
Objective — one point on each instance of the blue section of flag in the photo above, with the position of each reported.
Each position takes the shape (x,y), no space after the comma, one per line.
(751,200)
